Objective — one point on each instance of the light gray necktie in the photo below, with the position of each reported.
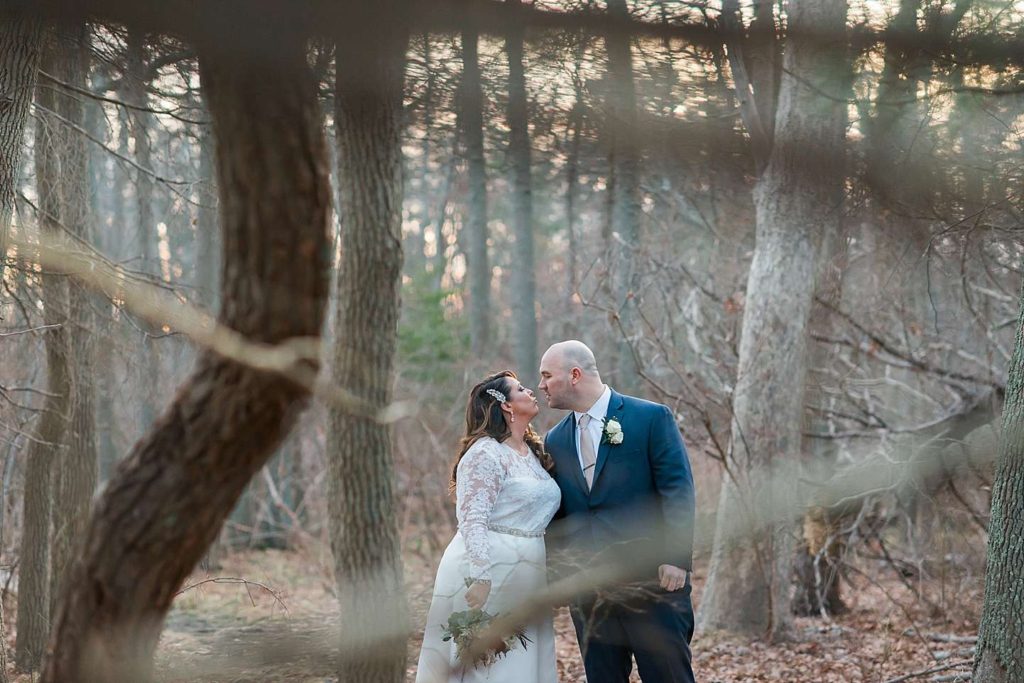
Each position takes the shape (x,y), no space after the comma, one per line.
(588,454)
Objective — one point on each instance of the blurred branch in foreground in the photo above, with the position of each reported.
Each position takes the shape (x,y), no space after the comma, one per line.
(296,358)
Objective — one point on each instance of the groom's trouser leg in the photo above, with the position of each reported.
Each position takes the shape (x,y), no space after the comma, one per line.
(659,635)
(603,644)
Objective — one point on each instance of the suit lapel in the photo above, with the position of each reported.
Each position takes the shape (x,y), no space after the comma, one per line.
(615,406)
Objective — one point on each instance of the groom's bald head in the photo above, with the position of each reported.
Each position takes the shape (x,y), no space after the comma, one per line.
(573,353)
(569,376)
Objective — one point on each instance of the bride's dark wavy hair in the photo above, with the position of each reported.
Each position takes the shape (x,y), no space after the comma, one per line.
(484,417)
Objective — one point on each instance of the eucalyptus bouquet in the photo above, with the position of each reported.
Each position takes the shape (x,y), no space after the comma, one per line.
(465,627)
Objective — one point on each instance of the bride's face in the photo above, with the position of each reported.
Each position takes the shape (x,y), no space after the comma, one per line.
(522,401)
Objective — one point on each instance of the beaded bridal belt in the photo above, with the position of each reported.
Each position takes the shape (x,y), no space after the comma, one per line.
(514,532)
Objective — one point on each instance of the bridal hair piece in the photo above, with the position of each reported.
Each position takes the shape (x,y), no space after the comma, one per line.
(484,420)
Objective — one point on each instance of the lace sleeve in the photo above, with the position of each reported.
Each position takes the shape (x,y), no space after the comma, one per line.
(480,475)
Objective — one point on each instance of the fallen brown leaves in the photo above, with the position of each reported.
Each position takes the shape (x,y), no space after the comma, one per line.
(886,633)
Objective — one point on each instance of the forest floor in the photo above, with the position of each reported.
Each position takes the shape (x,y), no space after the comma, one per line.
(279,626)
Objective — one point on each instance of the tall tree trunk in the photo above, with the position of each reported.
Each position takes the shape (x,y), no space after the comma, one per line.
(572,187)
(415,256)
(523,279)
(758,123)
(140,123)
(101,191)
(19,59)
(47,447)
(206,224)
(797,199)
(440,264)
(819,554)
(74,477)
(1000,655)
(477,261)
(893,170)
(364,530)
(764,59)
(166,503)
(624,158)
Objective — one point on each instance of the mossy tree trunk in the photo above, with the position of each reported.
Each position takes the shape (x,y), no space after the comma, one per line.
(1000,651)
(361,500)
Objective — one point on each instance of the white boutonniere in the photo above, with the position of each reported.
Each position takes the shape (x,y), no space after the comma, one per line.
(612,432)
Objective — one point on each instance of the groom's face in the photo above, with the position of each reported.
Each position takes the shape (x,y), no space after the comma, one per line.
(555,381)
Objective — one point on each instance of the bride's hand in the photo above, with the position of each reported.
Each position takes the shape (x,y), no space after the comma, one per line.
(477,594)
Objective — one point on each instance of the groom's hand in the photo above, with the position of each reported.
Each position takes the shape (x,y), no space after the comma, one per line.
(671,578)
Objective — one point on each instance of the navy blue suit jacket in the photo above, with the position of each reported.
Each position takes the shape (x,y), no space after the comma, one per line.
(642,496)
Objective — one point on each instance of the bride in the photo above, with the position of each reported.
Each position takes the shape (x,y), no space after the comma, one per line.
(504,500)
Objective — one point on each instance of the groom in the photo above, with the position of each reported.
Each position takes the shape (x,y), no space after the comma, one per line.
(627,492)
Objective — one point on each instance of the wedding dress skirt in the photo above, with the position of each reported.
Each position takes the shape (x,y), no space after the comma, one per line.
(504,502)
(518,573)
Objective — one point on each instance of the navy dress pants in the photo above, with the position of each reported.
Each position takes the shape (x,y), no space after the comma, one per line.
(650,624)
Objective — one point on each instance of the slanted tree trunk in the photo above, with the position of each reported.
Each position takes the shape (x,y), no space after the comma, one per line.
(361,501)
(166,503)
(75,471)
(19,59)
(477,261)
(1000,650)
(47,448)
(797,200)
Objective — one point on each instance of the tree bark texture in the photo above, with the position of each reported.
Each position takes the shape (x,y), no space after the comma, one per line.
(19,59)
(169,497)
(49,445)
(75,471)
(362,507)
(1000,650)
(477,261)
(797,200)
(523,279)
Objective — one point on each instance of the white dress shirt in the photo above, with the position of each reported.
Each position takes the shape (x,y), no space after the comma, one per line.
(597,412)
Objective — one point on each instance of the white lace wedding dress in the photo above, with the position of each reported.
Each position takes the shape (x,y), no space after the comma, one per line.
(504,502)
